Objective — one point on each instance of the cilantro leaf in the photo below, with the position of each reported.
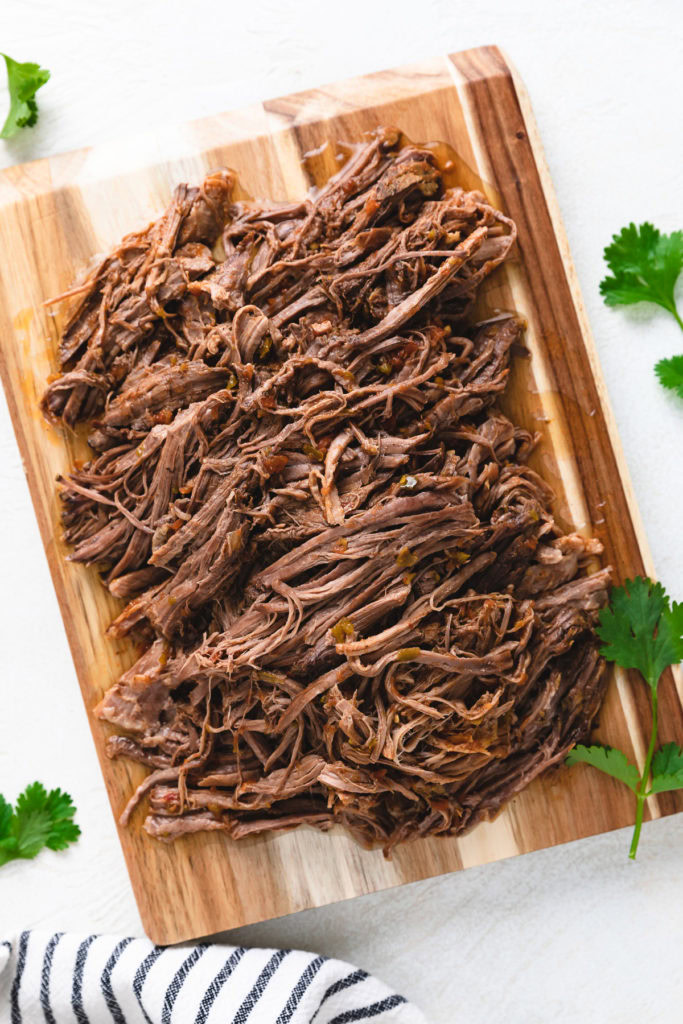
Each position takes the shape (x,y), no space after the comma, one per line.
(669,639)
(645,265)
(8,843)
(667,769)
(8,850)
(670,373)
(640,630)
(24,81)
(39,819)
(5,817)
(44,819)
(63,830)
(609,760)
(668,760)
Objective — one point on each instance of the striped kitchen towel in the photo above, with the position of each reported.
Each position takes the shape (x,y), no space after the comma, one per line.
(96,979)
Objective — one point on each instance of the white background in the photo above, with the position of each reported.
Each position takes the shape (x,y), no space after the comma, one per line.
(571,934)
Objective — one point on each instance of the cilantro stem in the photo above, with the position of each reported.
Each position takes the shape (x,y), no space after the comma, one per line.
(642,786)
(677,318)
(640,629)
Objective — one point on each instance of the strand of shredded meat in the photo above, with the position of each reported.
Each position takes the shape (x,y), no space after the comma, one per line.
(355,604)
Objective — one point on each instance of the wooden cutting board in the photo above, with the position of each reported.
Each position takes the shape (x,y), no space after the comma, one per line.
(56,214)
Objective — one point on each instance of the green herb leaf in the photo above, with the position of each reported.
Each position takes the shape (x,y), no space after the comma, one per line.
(23,81)
(668,760)
(5,817)
(670,373)
(608,760)
(667,769)
(8,850)
(8,843)
(669,642)
(39,819)
(645,265)
(639,629)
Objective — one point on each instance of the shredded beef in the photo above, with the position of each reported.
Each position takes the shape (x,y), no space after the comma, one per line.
(355,603)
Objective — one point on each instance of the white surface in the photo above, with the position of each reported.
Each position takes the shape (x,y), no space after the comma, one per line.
(571,934)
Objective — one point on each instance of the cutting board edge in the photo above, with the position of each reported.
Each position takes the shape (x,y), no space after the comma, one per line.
(163,936)
(580,306)
(63,170)
(560,232)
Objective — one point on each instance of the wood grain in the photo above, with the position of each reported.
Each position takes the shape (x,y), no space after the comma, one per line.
(56,214)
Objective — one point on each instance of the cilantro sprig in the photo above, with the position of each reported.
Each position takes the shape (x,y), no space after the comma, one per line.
(23,82)
(670,373)
(38,819)
(645,266)
(640,629)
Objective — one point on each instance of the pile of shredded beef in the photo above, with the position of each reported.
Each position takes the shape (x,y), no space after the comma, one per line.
(355,605)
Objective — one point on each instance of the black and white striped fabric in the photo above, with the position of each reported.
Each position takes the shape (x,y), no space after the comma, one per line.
(96,979)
